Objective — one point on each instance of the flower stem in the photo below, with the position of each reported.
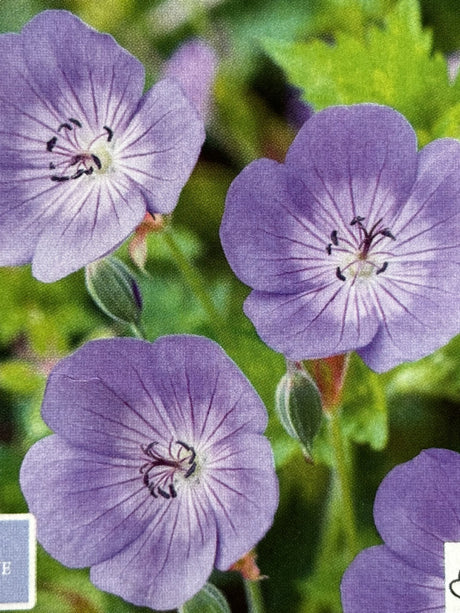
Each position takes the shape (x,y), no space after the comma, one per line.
(195,282)
(344,483)
(254,596)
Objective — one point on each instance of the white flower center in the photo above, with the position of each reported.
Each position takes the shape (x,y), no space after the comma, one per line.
(363,259)
(75,153)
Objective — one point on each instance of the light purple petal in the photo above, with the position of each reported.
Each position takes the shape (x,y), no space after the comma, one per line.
(313,323)
(416,508)
(84,222)
(418,302)
(242,488)
(113,395)
(170,562)
(356,160)
(85,74)
(207,396)
(88,506)
(417,309)
(193,65)
(161,145)
(377,581)
(266,232)
(98,398)
(24,116)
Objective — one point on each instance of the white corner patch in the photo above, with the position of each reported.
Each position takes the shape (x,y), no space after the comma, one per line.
(18,545)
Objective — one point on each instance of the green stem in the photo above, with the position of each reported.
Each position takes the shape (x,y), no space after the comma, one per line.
(344,484)
(254,596)
(195,282)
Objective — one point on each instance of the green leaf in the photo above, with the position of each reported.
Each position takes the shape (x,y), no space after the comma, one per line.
(20,377)
(436,376)
(391,65)
(208,600)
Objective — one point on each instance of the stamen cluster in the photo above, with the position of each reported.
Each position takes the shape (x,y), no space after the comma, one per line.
(161,469)
(366,239)
(75,154)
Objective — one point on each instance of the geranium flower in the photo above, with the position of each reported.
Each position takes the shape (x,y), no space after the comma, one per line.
(416,512)
(84,154)
(158,470)
(352,243)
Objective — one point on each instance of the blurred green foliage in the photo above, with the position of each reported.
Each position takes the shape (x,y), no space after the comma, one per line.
(336,51)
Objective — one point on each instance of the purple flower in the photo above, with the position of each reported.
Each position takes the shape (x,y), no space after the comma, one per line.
(353,242)
(194,66)
(417,512)
(158,471)
(84,153)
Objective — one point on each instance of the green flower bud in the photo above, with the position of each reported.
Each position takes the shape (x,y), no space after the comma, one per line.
(113,288)
(208,600)
(298,405)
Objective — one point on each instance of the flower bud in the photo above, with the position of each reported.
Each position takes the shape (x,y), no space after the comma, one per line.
(113,288)
(209,600)
(298,405)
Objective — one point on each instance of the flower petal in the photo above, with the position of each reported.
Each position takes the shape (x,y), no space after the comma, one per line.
(88,506)
(416,305)
(325,321)
(209,398)
(358,160)
(86,74)
(161,145)
(170,562)
(418,299)
(89,219)
(242,488)
(379,581)
(266,230)
(416,508)
(112,395)
(98,398)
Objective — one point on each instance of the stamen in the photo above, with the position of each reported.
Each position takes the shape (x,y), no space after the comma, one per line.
(89,171)
(190,471)
(188,448)
(76,159)
(51,143)
(78,174)
(97,161)
(357,220)
(339,274)
(65,125)
(159,472)
(52,166)
(59,178)
(109,132)
(387,232)
(75,121)
(382,268)
(152,491)
(334,239)
(329,249)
